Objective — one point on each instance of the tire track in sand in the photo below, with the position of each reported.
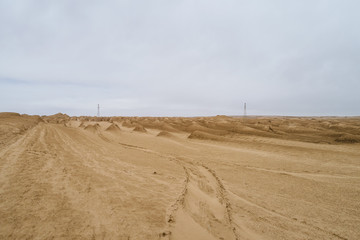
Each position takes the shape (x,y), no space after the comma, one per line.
(202,210)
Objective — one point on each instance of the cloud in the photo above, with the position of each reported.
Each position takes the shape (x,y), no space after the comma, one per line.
(180,57)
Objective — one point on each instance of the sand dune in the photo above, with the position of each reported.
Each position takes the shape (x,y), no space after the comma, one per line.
(92,127)
(139,128)
(113,128)
(165,134)
(217,177)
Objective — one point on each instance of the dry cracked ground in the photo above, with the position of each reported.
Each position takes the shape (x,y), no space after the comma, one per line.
(207,178)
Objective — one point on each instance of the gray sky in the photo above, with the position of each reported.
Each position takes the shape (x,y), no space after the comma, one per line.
(180,58)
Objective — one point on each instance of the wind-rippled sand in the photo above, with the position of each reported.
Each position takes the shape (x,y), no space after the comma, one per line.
(179,178)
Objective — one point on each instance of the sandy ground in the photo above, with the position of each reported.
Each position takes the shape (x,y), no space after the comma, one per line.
(179,178)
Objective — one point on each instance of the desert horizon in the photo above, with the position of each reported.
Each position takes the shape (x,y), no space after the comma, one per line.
(218,177)
(179,120)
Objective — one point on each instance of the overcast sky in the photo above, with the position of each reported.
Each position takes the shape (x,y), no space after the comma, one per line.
(180,58)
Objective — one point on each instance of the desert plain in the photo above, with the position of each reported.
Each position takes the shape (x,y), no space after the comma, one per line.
(176,178)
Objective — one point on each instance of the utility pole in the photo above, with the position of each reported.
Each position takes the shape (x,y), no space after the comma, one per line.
(98,113)
(244,113)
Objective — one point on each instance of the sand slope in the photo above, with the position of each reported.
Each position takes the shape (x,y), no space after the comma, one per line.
(210,178)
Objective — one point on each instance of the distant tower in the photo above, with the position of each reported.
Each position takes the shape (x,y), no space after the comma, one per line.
(98,113)
(244,110)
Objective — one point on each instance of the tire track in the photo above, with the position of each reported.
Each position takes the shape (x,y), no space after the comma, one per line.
(202,210)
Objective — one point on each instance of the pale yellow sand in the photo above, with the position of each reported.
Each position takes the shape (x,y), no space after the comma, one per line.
(200,178)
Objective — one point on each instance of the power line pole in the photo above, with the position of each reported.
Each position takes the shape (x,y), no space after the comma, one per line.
(98,113)
(244,113)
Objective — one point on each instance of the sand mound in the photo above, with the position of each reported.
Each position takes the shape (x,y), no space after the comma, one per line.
(57,118)
(195,126)
(165,134)
(157,124)
(9,114)
(14,124)
(139,128)
(348,138)
(128,123)
(92,128)
(205,136)
(113,128)
(73,123)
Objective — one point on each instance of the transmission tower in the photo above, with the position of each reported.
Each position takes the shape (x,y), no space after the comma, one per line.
(244,110)
(98,112)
